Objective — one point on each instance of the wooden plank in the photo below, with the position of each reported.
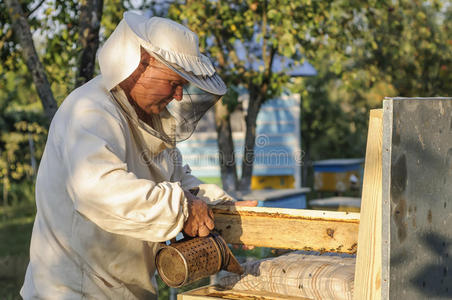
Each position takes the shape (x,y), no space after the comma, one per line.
(201,293)
(323,231)
(368,261)
(213,292)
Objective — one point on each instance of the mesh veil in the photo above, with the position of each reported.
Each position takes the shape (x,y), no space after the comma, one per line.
(178,120)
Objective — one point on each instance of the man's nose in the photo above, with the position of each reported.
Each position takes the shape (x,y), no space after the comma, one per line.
(178,93)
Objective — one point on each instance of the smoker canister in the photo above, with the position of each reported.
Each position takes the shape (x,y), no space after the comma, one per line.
(191,259)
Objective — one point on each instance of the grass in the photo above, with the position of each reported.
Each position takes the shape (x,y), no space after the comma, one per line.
(214,180)
(15,236)
(16,223)
(9,289)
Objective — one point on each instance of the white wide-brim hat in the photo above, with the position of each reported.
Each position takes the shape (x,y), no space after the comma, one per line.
(169,42)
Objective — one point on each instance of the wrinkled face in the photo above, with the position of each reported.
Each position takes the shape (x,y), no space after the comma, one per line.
(153,85)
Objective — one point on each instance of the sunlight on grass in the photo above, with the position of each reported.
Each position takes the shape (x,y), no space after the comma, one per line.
(16,223)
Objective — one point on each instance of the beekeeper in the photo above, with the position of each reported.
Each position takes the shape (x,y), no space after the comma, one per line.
(111,184)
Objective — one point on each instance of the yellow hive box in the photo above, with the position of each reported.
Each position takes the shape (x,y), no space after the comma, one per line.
(338,175)
(272,182)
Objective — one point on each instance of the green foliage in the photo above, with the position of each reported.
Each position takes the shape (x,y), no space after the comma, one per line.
(23,127)
(23,132)
(242,36)
(328,130)
(22,120)
(402,44)
(245,38)
(112,15)
(371,49)
(230,99)
(22,146)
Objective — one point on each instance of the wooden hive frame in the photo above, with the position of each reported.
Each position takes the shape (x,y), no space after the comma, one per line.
(324,231)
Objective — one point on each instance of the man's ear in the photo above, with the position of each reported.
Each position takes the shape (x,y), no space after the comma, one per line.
(145,56)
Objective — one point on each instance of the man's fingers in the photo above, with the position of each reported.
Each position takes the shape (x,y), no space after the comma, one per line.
(200,219)
(191,229)
(211,214)
(203,231)
(189,233)
(246,203)
(209,224)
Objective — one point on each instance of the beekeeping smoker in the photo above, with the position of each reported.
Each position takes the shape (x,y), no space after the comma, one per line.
(111,184)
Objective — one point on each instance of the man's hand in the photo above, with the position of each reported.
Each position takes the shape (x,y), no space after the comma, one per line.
(200,217)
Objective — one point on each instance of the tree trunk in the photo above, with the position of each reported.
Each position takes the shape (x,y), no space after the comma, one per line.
(255,103)
(90,17)
(22,30)
(306,177)
(226,148)
(257,94)
(306,142)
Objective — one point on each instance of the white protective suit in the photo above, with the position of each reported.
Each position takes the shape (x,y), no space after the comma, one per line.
(103,206)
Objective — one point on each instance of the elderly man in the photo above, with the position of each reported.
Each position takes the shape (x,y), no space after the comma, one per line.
(111,184)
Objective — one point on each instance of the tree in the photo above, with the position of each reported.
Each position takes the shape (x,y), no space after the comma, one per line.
(244,37)
(373,49)
(22,30)
(89,25)
(404,44)
(23,130)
